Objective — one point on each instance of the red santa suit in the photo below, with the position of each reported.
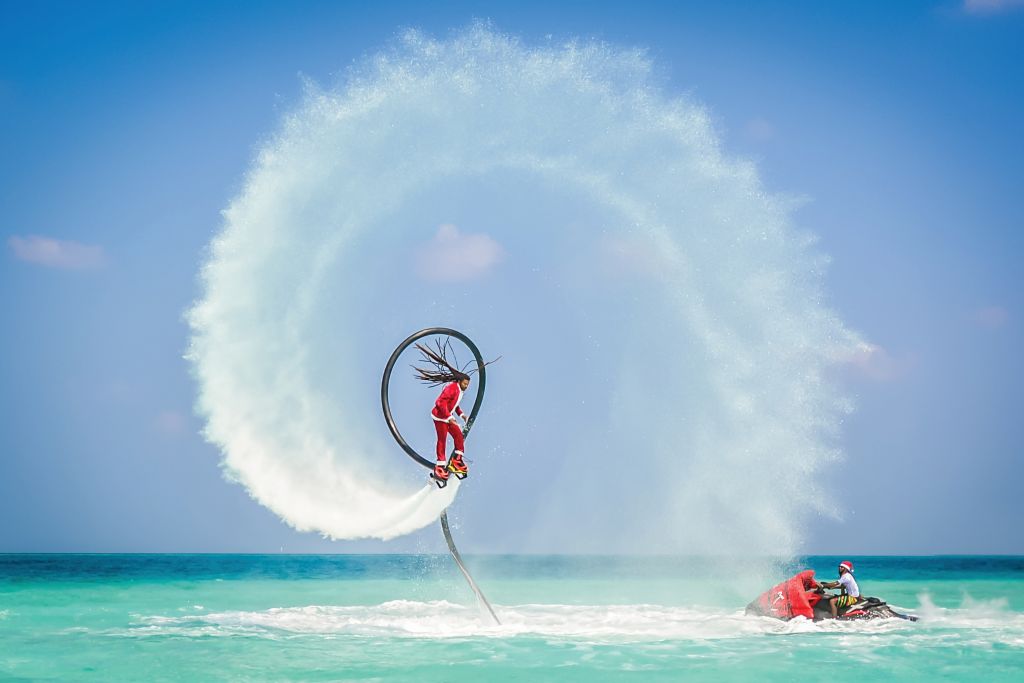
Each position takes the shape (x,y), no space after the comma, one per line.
(446,404)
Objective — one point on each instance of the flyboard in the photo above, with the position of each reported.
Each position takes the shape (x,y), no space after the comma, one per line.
(411,452)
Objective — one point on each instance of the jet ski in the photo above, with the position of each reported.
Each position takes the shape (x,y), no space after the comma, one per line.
(801,596)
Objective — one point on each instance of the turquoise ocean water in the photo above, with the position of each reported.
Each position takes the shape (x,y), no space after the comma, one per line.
(411,617)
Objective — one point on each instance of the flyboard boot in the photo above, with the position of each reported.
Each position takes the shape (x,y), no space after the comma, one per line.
(457,466)
(440,474)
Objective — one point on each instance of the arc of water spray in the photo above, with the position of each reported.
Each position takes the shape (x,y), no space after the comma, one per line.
(411,452)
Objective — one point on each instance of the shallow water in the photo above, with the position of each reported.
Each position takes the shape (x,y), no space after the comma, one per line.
(410,617)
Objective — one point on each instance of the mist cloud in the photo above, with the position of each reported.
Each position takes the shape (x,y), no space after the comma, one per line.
(716,304)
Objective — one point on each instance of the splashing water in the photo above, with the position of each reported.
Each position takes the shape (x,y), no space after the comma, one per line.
(611,623)
(678,308)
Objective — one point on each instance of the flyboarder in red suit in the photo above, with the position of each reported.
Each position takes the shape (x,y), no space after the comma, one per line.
(446,407)
(445,410)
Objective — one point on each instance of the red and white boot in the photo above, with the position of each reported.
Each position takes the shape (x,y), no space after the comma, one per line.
(440,474)
(457,465)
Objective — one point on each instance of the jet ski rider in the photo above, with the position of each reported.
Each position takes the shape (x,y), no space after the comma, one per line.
(848,585)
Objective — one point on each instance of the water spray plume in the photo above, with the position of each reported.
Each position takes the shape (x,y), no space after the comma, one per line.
(694,278)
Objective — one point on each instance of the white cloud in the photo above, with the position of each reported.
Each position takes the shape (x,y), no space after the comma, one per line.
(992,317)
(54,253)
(454,257)
(991,6)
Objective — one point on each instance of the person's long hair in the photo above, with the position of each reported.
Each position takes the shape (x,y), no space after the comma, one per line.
(439,369)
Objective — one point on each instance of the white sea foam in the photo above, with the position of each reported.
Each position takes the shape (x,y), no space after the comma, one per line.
(694,276)
(974,616)
(584,623)
(443,619)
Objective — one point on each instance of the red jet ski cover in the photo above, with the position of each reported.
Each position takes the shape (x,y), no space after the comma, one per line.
(788,599)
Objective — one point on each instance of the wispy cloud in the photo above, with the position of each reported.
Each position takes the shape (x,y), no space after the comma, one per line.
(760,130)
(170,423)
(992,317)
(873,362)
(454,257)
(991,6)
(54,253)
(629,256)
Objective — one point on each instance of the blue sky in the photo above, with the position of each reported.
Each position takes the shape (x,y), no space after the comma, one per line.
(124,130)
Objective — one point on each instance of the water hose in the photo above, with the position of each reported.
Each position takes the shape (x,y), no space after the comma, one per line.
(411,452)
